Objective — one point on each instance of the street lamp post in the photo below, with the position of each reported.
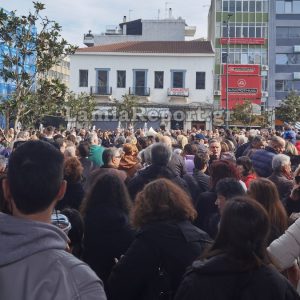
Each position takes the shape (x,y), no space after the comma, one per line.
(227,77)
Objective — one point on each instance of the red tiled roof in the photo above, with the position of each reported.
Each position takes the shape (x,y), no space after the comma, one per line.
(153,47)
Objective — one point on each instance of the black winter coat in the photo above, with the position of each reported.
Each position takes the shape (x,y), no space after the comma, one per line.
(107,236)
(220,278)
(169,245)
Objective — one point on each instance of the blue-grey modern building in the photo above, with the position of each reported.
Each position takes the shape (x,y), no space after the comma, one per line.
(284,49)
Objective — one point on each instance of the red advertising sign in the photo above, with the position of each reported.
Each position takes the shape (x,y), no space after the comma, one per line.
(242,85)
(242,69)
(242,41)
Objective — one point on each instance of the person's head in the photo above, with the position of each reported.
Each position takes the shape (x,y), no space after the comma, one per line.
(83,149)
(226,189)
(277,143)
(106,190)
(258,142)
(222,169)
(166,140)
(265,192)
(60,143)
(35,178)
(243,232)
(201,160)
(244,165)
(281,163)
(190,149)
(93,139)
(215,148)
(111,157)
(76,232)
(49,131)
(72,170)
(23,136)
(160,154)
(162,200)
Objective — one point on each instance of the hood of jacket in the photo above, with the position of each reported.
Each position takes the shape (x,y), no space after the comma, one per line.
(22,238)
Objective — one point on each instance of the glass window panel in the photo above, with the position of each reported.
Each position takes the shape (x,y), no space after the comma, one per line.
(288,86)
(252,6)
(232,6)
(244,58)
(258,6)
(121,79)
(280,7)
(158,79)
(177,80)
(251,57)
(288,7)
(281,59)
(238,6)
(225,33)
(232,31)
(297,85)
(83,78)
(200,80)
(257,58)
(279,85)
(265,6)
(294,32)
(238,32)
(296,7)
(252,32)
(264,58)
(225,5)
(245,6)
(245,32)
(258,32)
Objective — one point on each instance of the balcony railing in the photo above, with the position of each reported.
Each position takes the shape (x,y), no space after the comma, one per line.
(101,90)
(139,91)
(178,92)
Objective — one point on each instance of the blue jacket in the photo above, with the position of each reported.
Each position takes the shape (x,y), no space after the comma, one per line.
(262,161)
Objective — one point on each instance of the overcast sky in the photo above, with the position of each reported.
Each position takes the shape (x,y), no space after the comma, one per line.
(79,16)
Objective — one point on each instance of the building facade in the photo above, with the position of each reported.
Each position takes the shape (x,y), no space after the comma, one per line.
(169,29)
(284,51)
(239,31)
(173,81)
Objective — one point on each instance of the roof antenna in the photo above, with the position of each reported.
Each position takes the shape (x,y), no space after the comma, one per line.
(129,12)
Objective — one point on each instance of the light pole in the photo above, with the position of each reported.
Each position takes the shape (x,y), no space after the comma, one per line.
(227,61)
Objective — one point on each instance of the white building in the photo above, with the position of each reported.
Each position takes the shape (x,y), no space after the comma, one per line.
(169,29)
(175,79)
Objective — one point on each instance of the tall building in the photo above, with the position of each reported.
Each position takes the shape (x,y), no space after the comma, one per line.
(169,29)
(284,51)
(239,33)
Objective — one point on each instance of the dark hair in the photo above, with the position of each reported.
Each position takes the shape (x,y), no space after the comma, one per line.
(190,149)
(201,160)
(35,174)
(243,232)
(246,162)
(265,192)
(84,149)
(108,155)
(76,232)
(162,200)
(229,188)
(107,189)
(160,154)
(220,169)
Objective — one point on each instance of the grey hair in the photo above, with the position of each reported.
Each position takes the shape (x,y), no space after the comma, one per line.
(110,153)
(160,154)
(280,160)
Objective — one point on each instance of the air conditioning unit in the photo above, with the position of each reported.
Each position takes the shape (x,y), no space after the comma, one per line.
(217,93)
(264,94)
(296,48)
(265,68)
(296,75)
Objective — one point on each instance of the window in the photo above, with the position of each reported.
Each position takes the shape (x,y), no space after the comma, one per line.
(252,6)
(121,79)
(279,7)
(178,79)
(83,78)
(225,6)
(158,79)
(232,6)
(282,32)
(288,7)
(238,6)
(279,85)
(200,80)
(258,6)
(245,6)
(296,7)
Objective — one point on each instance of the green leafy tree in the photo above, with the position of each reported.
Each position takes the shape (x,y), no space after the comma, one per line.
(243,113)
(79,108)
(33,95)
(289,110)
(126,109)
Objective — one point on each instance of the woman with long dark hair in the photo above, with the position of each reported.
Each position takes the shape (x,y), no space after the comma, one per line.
(237,264)
(108,233)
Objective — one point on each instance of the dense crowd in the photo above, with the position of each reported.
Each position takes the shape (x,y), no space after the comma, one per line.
(150,214)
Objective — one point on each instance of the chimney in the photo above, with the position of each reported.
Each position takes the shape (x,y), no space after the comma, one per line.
(170,13)
(124,19)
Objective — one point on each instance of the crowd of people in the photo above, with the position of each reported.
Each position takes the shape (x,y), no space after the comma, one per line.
(150,214)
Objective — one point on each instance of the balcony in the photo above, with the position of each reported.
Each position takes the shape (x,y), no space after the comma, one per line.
(139,91)
(101,90)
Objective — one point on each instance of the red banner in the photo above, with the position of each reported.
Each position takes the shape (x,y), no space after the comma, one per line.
(242,85)
(242,41)
(242,69)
